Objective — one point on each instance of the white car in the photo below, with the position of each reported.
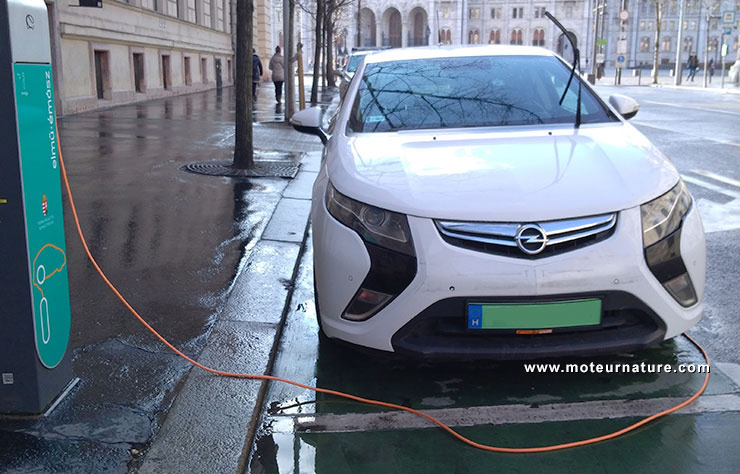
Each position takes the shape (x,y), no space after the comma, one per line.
(467,207)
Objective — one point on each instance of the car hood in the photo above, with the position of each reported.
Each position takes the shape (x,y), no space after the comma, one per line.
(514,176)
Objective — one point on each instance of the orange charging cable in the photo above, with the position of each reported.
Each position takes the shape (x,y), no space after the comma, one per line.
(368,401)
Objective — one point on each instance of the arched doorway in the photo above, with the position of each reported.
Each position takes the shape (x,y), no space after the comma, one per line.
(564,48)
(392,28)
(419,30)
(367,28)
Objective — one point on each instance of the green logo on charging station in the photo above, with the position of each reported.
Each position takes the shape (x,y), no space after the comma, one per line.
(42,197)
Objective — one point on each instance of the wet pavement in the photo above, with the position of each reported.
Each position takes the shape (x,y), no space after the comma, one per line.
(172,242)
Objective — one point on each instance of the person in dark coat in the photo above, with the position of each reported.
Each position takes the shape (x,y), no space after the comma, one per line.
(693,65)
(256,73)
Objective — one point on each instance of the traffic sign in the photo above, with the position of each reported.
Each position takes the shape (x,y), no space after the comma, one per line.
(727,31)
(728,16)
(622,47)
(620,59)
(624,15)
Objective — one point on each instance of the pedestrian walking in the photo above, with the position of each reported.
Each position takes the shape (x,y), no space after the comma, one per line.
(278,73)
(711,69)
(692,66)
(256,73)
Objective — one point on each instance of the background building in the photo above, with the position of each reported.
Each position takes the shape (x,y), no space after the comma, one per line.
(135,50)
(400,23)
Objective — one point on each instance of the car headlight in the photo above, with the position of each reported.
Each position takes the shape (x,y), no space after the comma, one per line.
(661,236)
(663,215)
(376,226)
(387,238)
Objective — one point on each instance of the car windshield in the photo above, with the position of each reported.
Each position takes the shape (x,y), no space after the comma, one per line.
(477,91)
(354,62)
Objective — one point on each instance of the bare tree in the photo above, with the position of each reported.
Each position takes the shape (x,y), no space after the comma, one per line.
(319,17)
(243,147)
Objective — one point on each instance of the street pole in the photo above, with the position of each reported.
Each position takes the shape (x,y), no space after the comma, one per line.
(679,60)
(706,43)
(722,53)
(596,35)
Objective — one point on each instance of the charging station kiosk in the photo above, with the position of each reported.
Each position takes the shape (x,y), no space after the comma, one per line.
(35,315)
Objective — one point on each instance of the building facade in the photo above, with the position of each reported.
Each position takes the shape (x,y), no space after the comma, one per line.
(400,23)
(135,50)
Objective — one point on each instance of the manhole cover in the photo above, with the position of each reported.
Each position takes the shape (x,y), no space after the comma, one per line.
(262,169)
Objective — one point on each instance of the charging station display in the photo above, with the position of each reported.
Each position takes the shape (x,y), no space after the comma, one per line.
(42,199)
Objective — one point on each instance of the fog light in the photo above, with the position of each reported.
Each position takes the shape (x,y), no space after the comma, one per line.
(365,304)
(682,289)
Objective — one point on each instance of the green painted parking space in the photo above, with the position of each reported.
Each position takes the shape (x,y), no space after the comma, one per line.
(679,444)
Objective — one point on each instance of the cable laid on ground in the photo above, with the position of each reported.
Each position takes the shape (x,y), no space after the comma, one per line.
(437,422)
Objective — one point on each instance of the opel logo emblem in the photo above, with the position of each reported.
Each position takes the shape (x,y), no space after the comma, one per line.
(531,239)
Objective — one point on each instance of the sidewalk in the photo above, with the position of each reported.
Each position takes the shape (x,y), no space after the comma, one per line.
(642,77)
(208,261)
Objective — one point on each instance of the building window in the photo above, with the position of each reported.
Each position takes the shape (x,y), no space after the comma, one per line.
(445,11)
(495,13)
(650,26)
(688,44)
(191,12)
(186,71)
(644,44)
(539,12)
(516,36)
(642,25)
(494,37)
(473,37)
(713,43)
(539,37)
(445,36)
(692,25)
(102,75)
(673,25)
(206,13)
(204,70)
(173,8)
(569,11)
(139,81)
(229,70)
(474,13)
(517,12)
(166,77)
(665,44)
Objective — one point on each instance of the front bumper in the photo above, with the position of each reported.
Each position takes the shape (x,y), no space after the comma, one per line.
(428,318)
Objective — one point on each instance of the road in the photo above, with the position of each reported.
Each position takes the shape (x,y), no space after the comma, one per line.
(502,405)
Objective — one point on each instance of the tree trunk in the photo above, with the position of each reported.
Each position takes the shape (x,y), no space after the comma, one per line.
(243,147)
(317,52)
(656,50)
(330,12)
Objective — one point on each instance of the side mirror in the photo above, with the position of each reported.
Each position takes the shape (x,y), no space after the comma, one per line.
(626,106)
(309,121)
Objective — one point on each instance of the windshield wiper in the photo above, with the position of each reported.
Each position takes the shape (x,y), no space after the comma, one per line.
(576,62)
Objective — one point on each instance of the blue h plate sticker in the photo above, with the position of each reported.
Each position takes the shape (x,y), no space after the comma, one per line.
(475,316)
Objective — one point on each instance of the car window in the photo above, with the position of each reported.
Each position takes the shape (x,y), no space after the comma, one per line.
(354,62)
(469,92)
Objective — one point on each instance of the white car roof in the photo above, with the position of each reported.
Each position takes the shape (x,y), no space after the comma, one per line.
(430,52)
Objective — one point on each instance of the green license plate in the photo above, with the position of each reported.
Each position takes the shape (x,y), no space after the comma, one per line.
(561,314)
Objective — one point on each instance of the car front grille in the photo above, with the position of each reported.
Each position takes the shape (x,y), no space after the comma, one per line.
(528,240)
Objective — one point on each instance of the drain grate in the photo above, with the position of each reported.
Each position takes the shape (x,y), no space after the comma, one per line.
(262,169)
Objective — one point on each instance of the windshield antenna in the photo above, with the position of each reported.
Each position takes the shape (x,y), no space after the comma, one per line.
(576,63)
